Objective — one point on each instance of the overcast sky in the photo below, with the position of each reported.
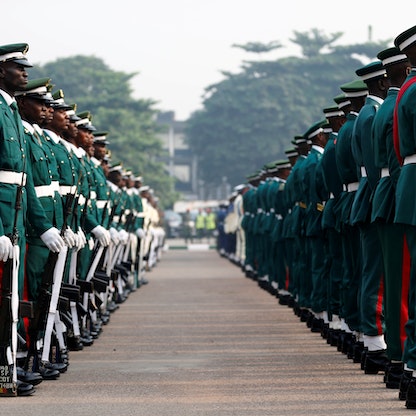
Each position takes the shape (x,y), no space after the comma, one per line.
(179,47)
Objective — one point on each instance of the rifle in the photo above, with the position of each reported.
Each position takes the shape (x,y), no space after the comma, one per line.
(44,300)
(9,308)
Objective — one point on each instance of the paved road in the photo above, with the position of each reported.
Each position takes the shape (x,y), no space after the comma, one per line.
(202,340)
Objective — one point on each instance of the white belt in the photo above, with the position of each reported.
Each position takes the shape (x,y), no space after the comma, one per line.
(363,172)
(409,159)
(47,190)
(351,187)
(81,200)
(93,195)
(279,217)
(116,218)
(331,196)
(13,178)
(127,211)
(101,203)
(259,210)
(385,172)
(142,215)
(271,209)
(67,189)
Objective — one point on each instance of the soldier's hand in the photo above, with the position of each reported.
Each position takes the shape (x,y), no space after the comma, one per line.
(114,236)
(140,233)
(124,237)
(6,248)
(102,235)
(81,239)
(53,240)
(70,238)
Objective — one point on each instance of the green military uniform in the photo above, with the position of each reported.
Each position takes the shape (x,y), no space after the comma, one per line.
(351,261)
(331,192)
(249,207)
(404,127)
(294,192)
(392,236)
(371,295)
(313,229)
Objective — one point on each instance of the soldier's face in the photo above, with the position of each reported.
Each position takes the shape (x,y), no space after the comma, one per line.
(13,76)
(35,110)
(48,116)
(99,150)
(60,119)
(83,139)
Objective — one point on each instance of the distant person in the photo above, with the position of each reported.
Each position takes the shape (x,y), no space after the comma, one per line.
(187,227)
(210,224)
(200,224)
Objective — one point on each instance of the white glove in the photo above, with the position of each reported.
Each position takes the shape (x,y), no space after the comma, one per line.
(82,237)
(123,235)
(114,236)
(70,238)
(6,248)
(53,240)
(102,235)
(140,233)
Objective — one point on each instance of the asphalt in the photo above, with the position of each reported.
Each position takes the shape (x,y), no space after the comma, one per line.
(203,340)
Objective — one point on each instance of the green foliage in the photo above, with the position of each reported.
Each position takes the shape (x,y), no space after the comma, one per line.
(259,47)
(249,118)
(107,94)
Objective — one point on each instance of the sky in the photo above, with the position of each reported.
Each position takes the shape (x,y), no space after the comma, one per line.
(179,47)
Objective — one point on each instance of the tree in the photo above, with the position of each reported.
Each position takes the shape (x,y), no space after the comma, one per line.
(249,118)
(107,94)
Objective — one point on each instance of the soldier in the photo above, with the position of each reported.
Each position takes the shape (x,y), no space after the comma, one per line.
(280,256)
(395,256)
(247,223)
(330,221)
(405,144)
(355,91)
(294,196)
(371,293)
(240,235)
(292,155)
(314,285)
(17,192)
(32,103)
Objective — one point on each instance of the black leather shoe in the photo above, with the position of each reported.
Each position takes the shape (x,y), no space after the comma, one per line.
(333,335)
(28,377)
(304,315)
(358,349)
(48,373)
(24,389)
(393,375)
(346,342)
(404,384)
(411,394)
(284,299)
(375,361)
(325,331)
(61,367)
(316,325)
(112,306)
(74,344)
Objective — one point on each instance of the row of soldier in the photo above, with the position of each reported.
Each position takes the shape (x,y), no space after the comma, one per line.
(77,233)
(331,229)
